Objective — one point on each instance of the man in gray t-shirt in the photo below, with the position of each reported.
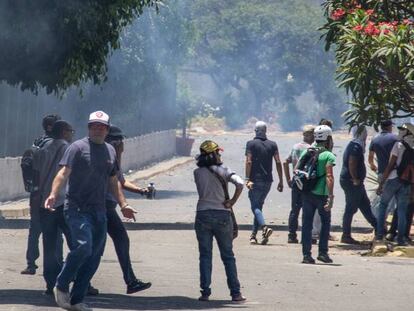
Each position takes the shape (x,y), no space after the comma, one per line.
(46,162)
(90,166)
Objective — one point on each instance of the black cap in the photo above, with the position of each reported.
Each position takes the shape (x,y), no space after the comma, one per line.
(386,123)
(115,132)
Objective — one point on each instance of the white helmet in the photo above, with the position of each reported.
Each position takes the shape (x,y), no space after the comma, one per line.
(322,132)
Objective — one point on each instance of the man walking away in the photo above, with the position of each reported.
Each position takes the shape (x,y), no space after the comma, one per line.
(296,202)
(320,197)
(89,165)
(30,178)
(397,181)
(116,228)
(260,153)
(380,148)
(352,178)
(46,162)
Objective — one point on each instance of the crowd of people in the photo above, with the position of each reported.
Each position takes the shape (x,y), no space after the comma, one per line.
(75,188)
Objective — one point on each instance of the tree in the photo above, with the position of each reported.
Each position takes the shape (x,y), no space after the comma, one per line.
(265,50)
(374,46)
(57,44)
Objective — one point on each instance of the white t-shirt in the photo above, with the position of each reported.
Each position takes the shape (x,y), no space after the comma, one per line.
(398,151)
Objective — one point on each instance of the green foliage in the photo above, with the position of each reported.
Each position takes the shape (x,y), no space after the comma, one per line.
(57,44)
(375,53)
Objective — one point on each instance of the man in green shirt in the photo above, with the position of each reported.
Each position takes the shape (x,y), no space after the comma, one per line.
(320,198)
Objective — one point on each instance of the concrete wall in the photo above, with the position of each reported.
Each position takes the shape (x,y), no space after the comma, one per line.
(139,152)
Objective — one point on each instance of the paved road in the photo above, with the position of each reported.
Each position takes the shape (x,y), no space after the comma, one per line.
(164,250)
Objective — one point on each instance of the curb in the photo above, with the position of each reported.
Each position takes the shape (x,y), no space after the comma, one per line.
(16,209)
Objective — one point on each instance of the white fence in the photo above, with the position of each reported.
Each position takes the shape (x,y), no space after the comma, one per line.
(139,151)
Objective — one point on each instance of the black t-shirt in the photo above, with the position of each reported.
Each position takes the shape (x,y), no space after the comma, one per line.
(356,150)
(92,165)
(262,152)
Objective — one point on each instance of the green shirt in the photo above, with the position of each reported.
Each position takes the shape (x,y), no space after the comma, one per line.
(325,158)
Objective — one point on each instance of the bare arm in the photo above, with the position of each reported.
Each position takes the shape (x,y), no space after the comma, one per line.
(248,169)
(330,185)
(129,186)
(371,161)
(353,165)
(287,172)
(388,170)
(115,189)
(279,172)
(59,180)
(238,182)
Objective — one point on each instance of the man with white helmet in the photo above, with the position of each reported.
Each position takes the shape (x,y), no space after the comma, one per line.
(320,196)
(260,153)
(398,181)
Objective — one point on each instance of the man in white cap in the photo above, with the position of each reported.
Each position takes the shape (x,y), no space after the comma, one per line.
(260,153)
(89,166)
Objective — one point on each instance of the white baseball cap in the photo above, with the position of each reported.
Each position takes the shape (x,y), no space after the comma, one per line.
(99,117)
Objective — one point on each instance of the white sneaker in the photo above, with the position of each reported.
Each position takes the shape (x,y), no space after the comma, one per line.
(62,299)
(80,307)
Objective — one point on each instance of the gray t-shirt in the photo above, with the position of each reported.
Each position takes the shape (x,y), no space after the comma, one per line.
(46,162)
(121,179)
(209,188)
(92,165)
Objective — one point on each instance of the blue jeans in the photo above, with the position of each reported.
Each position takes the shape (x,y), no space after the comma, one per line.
(53,224)
(355,198)
(257,196)
(119,236)
(218,224)
(401,191)
(311,203)
(296,206)
(88,236)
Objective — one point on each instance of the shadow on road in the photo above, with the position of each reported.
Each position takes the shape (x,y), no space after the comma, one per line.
(24,223)
(115,301)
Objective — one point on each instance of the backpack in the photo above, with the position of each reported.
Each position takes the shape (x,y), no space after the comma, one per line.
(30,175)
(405,170)
(305,175)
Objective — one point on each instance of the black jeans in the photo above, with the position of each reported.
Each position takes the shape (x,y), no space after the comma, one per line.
(53,224)
(119,236)
(355,198)
(32,252)
(296,206)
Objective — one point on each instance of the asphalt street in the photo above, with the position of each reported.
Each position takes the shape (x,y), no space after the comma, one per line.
(164,251)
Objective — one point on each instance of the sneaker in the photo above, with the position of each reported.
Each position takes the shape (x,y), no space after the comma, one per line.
(267,232)
(308,260)
(325,258)
(92,291)
(80,307)
(293,239)
(238,298)
(29,271)
(253,239)
(137,286)
(402,243)
(62,299)
(203,298)
(347,239)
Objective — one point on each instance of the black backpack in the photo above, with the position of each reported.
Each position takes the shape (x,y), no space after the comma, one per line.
(305,175)
(405,170)
(30,175)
